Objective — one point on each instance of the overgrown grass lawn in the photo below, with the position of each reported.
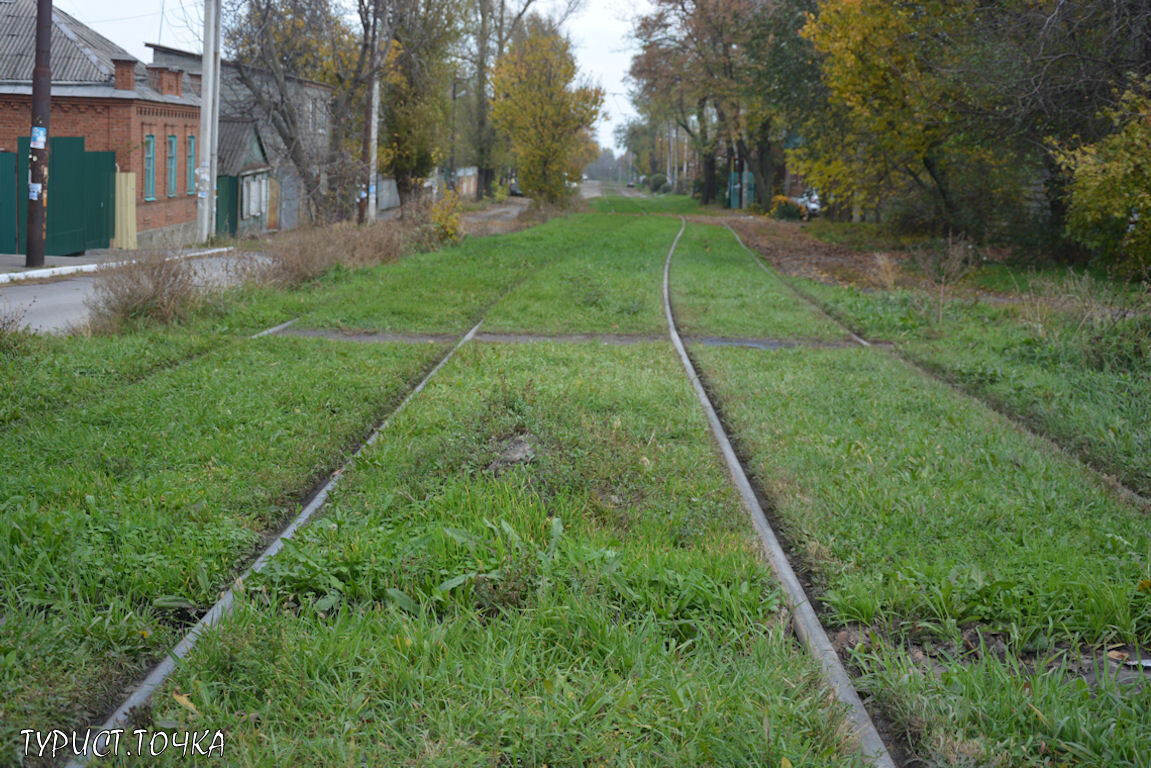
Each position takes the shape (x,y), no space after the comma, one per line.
(718,289)
(607,280)
(922,514)
(122,517)
(601,603)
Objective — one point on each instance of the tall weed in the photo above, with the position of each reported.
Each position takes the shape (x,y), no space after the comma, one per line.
(156,285)
(13,330)
(1105,324)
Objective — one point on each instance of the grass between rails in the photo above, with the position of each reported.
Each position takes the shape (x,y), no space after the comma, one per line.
(600,604)
(132,510)
(719,289)
(445,290)
(613,200)
(1092,395)
(607,281)
(922,515)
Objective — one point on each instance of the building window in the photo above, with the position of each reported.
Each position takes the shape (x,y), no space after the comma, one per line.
(172,149)
(149,167)
(254,191)
(191,165)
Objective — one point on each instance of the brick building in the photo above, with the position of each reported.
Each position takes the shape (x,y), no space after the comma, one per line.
(145,114)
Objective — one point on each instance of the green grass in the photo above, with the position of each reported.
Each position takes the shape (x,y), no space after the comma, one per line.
(448,290)
(609,281)
(48,373)
(600,605)
(1007,713)
(928,507)
(614,200)
(130,511)
(1045,368)
(718,289)
(921,514)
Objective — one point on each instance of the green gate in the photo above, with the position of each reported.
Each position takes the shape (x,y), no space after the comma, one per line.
(9,230)
(227,205)
(81,196)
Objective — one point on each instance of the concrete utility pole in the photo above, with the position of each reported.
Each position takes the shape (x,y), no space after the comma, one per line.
(374,161)
(371,126)
(38,147)
(209,123)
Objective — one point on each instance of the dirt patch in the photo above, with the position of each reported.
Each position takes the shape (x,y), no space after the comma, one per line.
(521,449)
(610,339)
(767,344)
(371,338)
(788,248)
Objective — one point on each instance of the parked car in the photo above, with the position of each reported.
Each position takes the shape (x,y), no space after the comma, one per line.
(809,203)
(631,184)
(514,189)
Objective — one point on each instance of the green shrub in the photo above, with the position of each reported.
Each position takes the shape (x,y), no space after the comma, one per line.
(785,208)
(655,181)
(1110,210)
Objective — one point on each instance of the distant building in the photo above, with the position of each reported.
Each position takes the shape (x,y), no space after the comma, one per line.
(243,181)
(149,116)
(312,100)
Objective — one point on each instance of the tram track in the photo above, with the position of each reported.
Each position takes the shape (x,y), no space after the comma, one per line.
(1127,494)
(141,695)
(805,621)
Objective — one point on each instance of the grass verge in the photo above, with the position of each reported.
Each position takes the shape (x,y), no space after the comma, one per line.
(597,601)
(133,509)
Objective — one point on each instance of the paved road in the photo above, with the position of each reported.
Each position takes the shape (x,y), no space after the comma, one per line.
(60,306)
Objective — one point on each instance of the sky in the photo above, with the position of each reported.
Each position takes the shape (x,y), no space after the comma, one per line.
(600,34)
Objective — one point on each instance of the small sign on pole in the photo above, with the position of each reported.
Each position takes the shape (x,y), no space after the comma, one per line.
(39,137)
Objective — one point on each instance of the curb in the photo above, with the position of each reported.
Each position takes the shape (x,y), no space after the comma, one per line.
(80,269)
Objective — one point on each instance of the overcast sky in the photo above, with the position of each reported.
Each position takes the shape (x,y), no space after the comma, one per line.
(600,33)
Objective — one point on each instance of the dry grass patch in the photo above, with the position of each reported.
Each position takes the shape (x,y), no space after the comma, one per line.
(13,330)
(156,285)
(304,255)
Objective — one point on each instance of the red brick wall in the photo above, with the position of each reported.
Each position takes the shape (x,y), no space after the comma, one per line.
(119,125)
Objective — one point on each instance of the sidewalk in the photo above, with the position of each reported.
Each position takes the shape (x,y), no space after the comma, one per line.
(12,267)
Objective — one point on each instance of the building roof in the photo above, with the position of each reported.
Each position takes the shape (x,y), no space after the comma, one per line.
(79,54)
(241,149)
(82,59)
(190,61)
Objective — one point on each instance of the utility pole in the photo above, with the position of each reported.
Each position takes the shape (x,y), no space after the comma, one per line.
(374,162)
(209,122)
(371,125)
(38,146)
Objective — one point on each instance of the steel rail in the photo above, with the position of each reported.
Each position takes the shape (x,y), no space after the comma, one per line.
(1128,495)
(805,622)
(223,607)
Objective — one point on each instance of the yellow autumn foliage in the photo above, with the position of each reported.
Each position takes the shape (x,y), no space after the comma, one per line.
(540,106)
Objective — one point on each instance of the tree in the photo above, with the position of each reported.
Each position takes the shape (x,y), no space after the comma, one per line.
(417,88)
(1110,209)
(542,108)
(275,44)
